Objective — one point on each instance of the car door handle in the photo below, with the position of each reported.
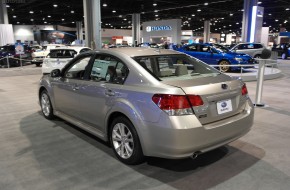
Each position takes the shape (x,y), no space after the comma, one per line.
(109,92)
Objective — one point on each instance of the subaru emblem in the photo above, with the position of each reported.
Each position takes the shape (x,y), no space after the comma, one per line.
(224,86)
(224,104)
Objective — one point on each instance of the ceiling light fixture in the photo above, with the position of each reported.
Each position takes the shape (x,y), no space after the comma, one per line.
(287,9)
(259,2)
(231,14)
(154,4)
(205,4)
(72,11)
(31,12)
(14,16)
(198,10)
(113,11)
(48,16)
(105,4)
(55,5)
(193,15)
(7,6)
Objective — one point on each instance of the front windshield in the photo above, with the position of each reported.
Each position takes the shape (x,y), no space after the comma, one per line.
(175,67)
(7,48)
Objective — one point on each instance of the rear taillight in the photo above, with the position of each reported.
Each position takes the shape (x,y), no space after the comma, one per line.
(177,104)
(244,90)
(195,100)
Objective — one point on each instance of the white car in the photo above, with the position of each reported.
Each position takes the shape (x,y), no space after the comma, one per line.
(38,56)
(59,57)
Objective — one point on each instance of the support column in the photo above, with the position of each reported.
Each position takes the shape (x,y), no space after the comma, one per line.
(79,30)
(247,17)
(135,29)
(3,13)
(92,13)
(206,32)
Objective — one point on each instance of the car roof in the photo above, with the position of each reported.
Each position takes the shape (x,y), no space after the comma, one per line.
(139,51)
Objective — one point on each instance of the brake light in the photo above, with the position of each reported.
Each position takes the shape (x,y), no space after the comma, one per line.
(244,90)
(195,100)
(177,104)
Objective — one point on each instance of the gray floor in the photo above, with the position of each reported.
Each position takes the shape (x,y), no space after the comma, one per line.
(53,155)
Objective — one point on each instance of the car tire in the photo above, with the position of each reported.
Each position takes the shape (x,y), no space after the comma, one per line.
(46,106)
(125,141)
(224,66)
(37,64)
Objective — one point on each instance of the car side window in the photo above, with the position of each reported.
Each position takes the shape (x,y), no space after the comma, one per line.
(257,46)
(191,48)
(77,70)
(109,69)
(204,48)
(84,50)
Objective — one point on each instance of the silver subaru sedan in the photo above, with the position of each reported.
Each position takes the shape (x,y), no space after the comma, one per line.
(148,102)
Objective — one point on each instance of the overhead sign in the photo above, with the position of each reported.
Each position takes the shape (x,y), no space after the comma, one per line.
(157,28)
(19,48)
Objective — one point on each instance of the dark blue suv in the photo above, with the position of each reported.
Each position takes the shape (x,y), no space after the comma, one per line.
(8,51)
(215,54)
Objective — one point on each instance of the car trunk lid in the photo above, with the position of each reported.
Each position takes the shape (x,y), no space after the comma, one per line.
(222,97)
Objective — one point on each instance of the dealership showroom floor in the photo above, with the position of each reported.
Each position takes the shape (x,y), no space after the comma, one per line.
(36,153)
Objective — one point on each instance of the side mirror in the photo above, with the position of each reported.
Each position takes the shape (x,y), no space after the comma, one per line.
(55,73)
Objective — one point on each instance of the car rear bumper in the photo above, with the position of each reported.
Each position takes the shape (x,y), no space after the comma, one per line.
(184,136)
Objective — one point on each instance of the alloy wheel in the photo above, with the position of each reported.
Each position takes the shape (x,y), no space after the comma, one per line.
(45,104)
(123,141)
(224,66)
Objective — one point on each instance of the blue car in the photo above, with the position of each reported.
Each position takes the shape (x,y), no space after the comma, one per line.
(214,54)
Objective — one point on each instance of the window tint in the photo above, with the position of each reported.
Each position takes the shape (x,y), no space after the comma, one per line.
(77,70)
(8,48)
(191,48)
(257,46)
(84,50)
(62,53)
(109,69)
(204,48)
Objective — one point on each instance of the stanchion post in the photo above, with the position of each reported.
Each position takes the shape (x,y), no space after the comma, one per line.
(260,80)
(8,65)
(20,60)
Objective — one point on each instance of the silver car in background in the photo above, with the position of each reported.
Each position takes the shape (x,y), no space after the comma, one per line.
(252,49)
(148,102)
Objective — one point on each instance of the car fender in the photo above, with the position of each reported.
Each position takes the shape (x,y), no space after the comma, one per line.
(128,109)
(46,84)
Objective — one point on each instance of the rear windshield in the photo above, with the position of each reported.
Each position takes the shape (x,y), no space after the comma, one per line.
(175,67)
(62,53)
